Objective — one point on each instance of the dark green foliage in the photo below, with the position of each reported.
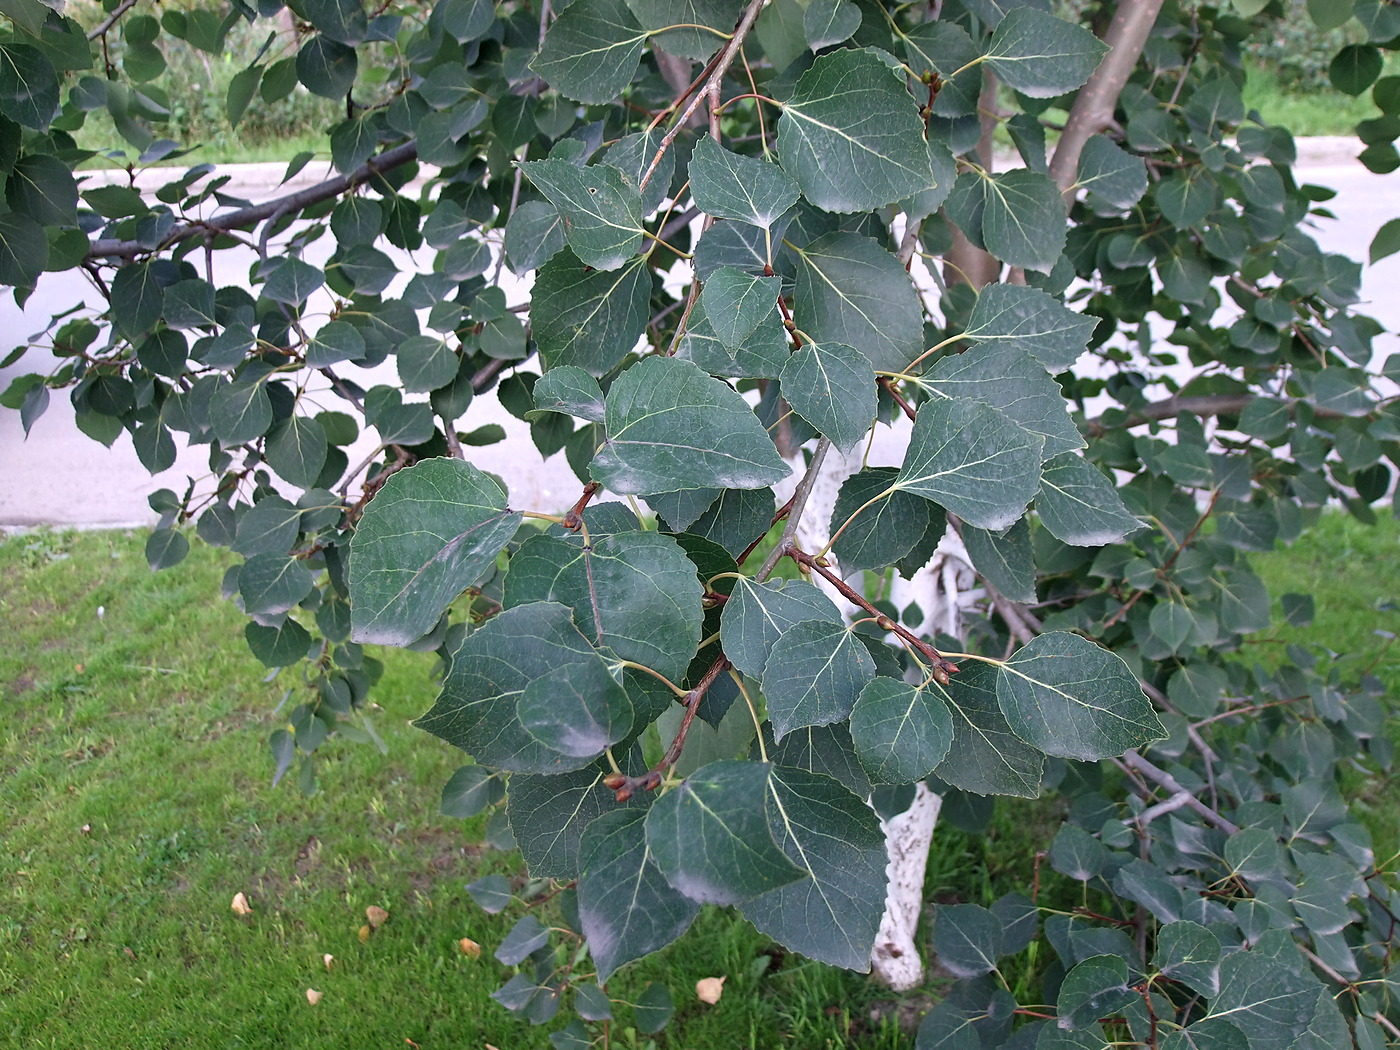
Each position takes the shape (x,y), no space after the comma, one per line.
(575,661)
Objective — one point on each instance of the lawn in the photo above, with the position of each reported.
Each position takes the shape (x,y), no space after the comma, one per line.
(135,801)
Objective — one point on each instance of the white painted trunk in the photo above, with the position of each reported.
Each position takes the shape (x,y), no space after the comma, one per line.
(908,835)
(942,589)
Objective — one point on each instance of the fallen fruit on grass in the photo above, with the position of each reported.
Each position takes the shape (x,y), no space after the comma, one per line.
(240,905)
(364,933)
(469,947)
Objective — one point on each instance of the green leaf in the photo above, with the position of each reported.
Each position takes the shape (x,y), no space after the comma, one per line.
(832,916)
(900,732)
(986,758)
(881,533)
(425,363)
(635,592)
(166,547)
(829,22)
(470,790)
(240,92)
(1077,854)
(137,298)
(477,709)
(427,535)
(341,20)
(1354,68)
(1029,320)
(850,134)
(669,426)
(1096,987)
(28,86)
(548,815)
(591,51)
(1014,382)
(534,234)
(297,450)
(1268,1001)
(688,40)
(1043,56)
(291,281)
(946,48)
(1080,505)
(758,614)
(1068,697)
(832,387)
(1386,241)
(966,939)
(326,67)
(239,412)
(653,1008)
(589,318)
(352,143)
(736,302)
(1188,952)
(813,675)
(279,646)
(626,907)
(731,186)
(578,710)
(24,251)
(711,838)
(1004,560)
(852,291)
(736,519)
(41,187)
(270,584)
(1023,219)
(973,460)
(828,750)
(600,207)
(570,390)
(1110,174)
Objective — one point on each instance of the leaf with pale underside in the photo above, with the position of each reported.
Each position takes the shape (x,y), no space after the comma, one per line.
(1068,697)
(850,290)
(1080,505)
(600,206)
(670,426)
(850,134)
(901,732)
(729,185)
(1043,56)
(966,939)
(1028,319)
(427,535)
(986,757)
(1013,381)
(626,907)
(591,51)
(833,915)
(757,615)
(711,839)
(832,387)
(813,675)
(973,460)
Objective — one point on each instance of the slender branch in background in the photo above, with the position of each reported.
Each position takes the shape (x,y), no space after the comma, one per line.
(292,202)
(795,509)
(1209,405)
(723,61)
(1162,778)
(1093,107)
(111,20)
(887,385)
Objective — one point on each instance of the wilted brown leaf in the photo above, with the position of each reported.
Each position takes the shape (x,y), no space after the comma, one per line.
(709,989)
(328,958)
(313,996)
(376,915)
(469,947)
(364,933)
(240,905)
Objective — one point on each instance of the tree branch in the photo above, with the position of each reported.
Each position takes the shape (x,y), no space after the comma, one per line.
(1162,778)
(1209,405)
(1094,105)
(795,508)
(107,23)
(285,205)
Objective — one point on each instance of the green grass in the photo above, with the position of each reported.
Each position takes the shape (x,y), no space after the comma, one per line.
(1325,111)
(135,802)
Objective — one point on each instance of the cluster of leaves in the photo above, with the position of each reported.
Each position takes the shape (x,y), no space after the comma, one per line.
(659,724)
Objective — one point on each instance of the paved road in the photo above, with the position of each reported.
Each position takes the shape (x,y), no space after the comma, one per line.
(61,477)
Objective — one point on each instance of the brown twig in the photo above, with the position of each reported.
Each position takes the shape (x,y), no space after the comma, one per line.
(1132,760)
(795,508)
(887,385)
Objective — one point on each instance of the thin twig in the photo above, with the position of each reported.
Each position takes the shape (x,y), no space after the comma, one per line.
(1162,778)
(795,509)
(111,20)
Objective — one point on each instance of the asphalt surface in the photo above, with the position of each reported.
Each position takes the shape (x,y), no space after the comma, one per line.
(61,477)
